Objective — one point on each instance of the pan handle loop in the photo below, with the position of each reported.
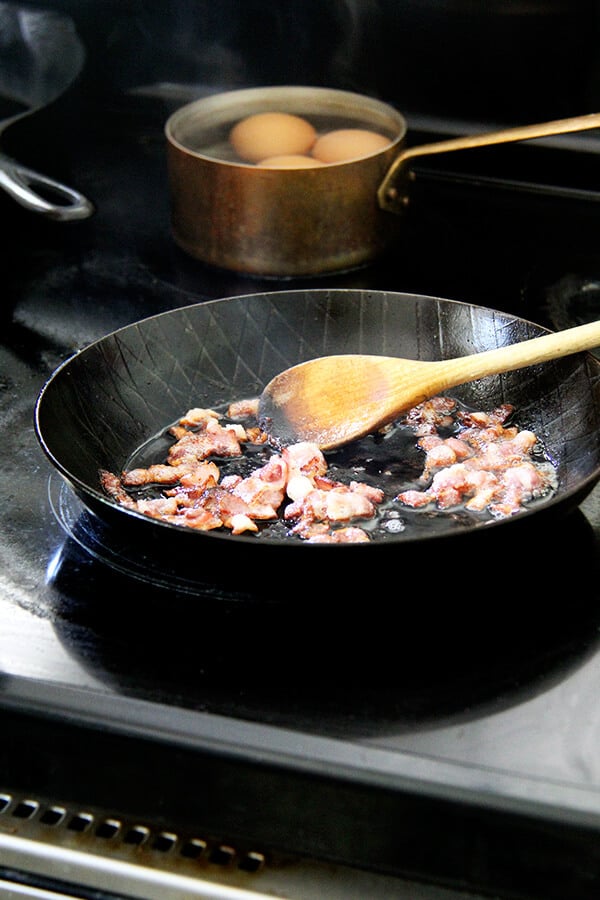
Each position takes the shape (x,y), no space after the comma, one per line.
(21,183)
(393,192)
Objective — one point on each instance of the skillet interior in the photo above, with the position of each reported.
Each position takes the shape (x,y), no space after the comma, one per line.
(109,399)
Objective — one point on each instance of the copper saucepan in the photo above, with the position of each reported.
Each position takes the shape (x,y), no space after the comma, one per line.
(302,221)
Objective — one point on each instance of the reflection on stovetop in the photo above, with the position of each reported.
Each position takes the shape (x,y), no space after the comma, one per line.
(395,656)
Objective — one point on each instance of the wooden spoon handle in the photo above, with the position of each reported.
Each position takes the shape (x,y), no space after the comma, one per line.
(515,356)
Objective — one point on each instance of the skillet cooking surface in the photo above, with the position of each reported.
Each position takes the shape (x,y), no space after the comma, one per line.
(120,392)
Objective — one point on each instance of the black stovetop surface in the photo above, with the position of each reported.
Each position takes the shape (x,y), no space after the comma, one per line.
(479,684)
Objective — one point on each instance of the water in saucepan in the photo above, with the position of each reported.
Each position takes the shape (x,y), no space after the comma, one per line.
(216,142)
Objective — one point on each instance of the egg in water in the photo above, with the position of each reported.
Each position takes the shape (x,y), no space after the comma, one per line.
(290,161)
(268,134)
(348,143)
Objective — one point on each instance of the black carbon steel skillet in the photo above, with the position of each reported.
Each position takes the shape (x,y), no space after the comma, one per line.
(120,392)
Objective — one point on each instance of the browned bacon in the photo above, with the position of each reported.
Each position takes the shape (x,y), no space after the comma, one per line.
(243,409)
(198,416)
(195,446)
(430,415)
(349,535)
(479,419)
(265,488)
(113,486)
(232,512)
(156,474)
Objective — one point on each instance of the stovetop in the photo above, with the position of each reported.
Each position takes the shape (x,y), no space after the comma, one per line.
(462,689)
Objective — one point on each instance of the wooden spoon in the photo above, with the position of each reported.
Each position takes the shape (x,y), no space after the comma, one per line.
(332,400)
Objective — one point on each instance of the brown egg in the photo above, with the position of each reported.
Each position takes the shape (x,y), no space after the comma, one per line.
(271,134)
(290,161)
(348,143)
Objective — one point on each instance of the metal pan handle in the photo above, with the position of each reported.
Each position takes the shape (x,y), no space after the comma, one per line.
(393,192)
(21,183)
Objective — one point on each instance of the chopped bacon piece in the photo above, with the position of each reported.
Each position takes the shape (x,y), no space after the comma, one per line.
(415,499)
(157,474)
(240,522)
(496,416)
(158,508)
(204,475)
(244,409)
(266,486)
(343,503)
(430,415)
(520,483)
(114,488)
(299,486)
(256,435)
(483,487)
(351,535)
(305,458)
(225,506)
(198,416)
(375,495)
(442,452)
(194,483)
(195,446)
(334,504)
(198,517)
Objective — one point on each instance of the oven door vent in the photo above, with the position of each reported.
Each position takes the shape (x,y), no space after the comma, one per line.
(50,849)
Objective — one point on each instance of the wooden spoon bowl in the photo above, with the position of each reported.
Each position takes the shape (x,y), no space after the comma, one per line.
(333,400)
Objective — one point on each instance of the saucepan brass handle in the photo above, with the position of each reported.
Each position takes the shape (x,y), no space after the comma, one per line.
(393,192)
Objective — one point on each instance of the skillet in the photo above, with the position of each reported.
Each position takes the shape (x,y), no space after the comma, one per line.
(117,394)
